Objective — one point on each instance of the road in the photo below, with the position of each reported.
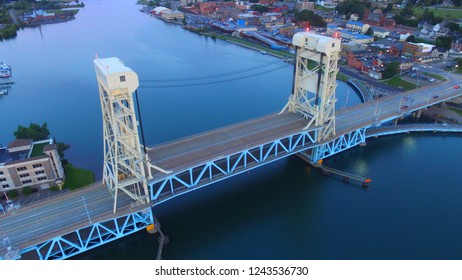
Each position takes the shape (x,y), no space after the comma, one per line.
(45,219)
(40,221)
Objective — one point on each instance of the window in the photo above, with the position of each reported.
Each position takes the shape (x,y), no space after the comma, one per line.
(39,172)
(21,168)
(122,78)
(2,179)
(333,44)
(26,181)
(6,186)
(24,175)
(1,172)
(37,165)
(42,178)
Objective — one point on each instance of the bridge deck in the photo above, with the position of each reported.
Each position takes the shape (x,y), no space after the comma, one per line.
(43,220)
(191,151)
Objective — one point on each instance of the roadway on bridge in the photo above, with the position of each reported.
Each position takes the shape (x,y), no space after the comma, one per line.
(43,220)
(180,155)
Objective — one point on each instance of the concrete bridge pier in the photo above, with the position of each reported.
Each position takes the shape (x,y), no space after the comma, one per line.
(163,239)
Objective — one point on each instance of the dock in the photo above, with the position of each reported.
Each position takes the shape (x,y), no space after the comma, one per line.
(346,177)
(327,171)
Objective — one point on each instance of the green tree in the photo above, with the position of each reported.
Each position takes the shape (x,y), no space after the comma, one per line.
(411,39)
(314,19)
(351,7)
(34,132)
(304,15)
(369,32)
(389,8)
(458,61)
(259,8)
(390,70)
(444,42)
(453,26)
(317,20)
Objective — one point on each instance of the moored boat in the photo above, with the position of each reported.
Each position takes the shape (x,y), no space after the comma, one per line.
(5,70)
(5,74)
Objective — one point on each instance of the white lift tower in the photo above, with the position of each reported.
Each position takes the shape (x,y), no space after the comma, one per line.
(314,84)
(124,161)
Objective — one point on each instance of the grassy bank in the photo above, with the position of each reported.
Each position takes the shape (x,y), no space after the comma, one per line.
(438,77)
(77,177)
(342,77)
(448,13)
(249,44)
(400,83)
(9,31)
(457,111)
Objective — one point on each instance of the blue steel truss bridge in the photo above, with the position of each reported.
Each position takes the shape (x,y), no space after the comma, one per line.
(137,177)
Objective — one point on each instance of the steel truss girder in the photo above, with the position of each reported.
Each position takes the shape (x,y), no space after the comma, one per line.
(84,239)
(224,167)
(339,144)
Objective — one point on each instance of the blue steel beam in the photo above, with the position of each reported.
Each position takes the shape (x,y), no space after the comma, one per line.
(89,237)
(406,128)
(338,145)
(227,166)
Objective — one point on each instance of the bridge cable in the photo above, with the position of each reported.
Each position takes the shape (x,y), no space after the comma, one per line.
(208,76)
(214,82)
(141,123)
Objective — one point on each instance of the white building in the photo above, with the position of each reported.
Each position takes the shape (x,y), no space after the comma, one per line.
(304,5)
(24,163)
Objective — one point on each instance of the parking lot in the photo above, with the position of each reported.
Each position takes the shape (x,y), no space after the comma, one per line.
(418,78)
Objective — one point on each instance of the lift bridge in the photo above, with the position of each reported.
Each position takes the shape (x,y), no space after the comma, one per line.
(140,177)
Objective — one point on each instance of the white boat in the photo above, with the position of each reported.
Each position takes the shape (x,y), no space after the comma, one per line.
(4,66)
(3,91)
(5,70)
(5,73)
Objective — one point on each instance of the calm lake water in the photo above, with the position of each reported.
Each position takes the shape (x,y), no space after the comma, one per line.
(191,84)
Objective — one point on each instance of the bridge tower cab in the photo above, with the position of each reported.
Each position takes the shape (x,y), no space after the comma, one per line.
(124,161)
(313,92)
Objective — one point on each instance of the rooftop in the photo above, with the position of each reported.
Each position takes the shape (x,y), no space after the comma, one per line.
(6,156)
(355,34)
(50,147)
(20,143)
(355,23)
